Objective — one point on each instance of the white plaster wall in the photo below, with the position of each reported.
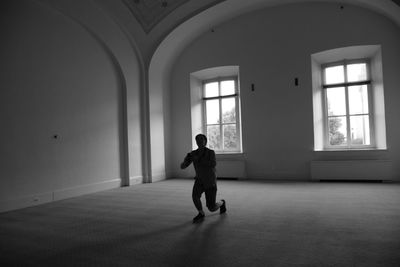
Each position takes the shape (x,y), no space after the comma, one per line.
(272,47)
(63,76)
(157,127)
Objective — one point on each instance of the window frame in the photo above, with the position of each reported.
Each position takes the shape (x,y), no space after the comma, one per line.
(346,85)
(236,95)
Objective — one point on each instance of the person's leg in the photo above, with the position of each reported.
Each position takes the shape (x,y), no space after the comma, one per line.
(211,194)
(196,195)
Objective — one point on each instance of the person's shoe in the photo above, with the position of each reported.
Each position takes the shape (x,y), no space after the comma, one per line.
(198,218)
(222,209)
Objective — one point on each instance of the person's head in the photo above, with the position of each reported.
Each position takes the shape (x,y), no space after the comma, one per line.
(201,140)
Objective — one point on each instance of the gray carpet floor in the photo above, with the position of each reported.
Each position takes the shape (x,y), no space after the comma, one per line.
(267,224)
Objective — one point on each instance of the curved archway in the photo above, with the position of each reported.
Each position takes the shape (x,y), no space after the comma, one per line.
(170,48)
(128,66)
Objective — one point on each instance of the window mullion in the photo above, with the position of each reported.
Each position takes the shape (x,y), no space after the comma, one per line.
(204,113)
(363,137)
(370,117)
(221,125)
(326,118)
(220,116)
(238,127)
(218,97)
(346,88)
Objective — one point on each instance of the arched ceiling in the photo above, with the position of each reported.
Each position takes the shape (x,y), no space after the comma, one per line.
(171,46)
(151,12)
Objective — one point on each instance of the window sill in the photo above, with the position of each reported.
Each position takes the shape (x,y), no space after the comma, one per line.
(229,155)
(350,149)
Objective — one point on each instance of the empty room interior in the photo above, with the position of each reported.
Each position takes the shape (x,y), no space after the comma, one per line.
(101,101)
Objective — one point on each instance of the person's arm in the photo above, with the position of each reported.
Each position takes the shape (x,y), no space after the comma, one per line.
(213,160)
(187,161)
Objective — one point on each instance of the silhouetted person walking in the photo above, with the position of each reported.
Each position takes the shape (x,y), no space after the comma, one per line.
(204,163)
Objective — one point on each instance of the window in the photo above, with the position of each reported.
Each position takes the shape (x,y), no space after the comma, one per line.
(348,108)
(348,99)
(221,121)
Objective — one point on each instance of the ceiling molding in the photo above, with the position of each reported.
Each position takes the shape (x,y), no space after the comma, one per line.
(150,12)
(397,2)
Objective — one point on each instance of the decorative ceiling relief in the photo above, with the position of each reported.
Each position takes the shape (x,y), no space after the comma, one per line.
(396,2)
(150,12)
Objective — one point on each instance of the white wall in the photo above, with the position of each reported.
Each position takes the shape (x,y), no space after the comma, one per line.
(272,47)
(77,79)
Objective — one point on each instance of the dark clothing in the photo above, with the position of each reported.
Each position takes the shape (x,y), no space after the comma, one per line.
(210,193)
(206,179)
(204,164)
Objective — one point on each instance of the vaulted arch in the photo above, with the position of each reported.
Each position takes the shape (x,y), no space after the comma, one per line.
(173,44)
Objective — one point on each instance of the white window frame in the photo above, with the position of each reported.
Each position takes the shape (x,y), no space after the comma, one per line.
(237,111)
(346,84)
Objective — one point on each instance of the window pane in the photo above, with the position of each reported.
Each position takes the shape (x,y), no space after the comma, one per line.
(358,99)
(228,110)
(336,101)
(230,137)
(214,137)
(228,87)
(356,72)
(337,131)
(211,89)
(360,130)
(334,75)
(212,108)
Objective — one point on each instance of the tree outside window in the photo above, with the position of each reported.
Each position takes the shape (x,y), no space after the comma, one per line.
(346,86)
(221,122)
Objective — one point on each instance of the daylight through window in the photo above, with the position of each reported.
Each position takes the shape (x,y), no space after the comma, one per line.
(347,104)
(221,114)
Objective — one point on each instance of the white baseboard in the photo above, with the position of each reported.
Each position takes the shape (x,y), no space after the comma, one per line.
(42,198)
(169,174)
(25,201)
(135,180)
(86,189)
(156,177)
